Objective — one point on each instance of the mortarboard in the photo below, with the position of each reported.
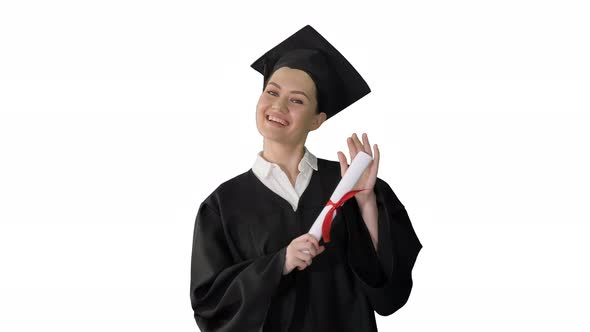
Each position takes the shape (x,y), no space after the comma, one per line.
(337,82)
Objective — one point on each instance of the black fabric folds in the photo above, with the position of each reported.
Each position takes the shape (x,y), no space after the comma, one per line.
(240,238)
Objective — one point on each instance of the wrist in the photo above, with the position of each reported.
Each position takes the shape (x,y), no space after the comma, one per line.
(366,199)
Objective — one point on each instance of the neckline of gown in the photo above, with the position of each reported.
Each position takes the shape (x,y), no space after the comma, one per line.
(278,197)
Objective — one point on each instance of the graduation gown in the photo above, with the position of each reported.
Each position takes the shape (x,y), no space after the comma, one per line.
(241,234)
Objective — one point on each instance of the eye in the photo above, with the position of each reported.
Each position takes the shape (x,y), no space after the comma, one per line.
(270,92)
(298,101)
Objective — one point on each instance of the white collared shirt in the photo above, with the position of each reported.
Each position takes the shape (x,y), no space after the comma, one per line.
(272,176)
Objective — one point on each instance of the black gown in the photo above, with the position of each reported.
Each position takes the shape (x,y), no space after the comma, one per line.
(242,230)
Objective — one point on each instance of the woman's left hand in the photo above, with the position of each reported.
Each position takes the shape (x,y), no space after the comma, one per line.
(367,180)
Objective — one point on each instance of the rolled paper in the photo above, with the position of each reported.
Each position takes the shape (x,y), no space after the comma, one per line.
(343,192)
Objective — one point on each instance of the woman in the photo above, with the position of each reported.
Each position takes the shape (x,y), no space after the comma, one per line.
(254,267)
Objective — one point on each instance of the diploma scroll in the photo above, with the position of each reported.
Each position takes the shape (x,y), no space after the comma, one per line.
(354,172)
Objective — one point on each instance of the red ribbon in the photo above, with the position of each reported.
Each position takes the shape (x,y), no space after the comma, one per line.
(329,216)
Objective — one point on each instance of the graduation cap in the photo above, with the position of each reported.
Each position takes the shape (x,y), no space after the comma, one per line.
(337,82)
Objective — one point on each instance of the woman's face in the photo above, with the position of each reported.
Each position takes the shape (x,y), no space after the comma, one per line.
(289,97)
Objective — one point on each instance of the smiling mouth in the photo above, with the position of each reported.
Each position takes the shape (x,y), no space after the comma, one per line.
(276,121)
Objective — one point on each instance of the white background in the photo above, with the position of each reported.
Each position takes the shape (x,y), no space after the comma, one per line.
(119,117)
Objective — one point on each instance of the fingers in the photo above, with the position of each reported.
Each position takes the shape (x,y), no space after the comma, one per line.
(298,263)
(307,246)
(301,251)
(307,250)
(351,148)
(343,163)
(307,258)
(301,265)
(357,143)
(377,157)
(354,146)
(310,238)
(366,145)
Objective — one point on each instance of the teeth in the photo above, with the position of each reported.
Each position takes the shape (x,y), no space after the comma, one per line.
(272,118)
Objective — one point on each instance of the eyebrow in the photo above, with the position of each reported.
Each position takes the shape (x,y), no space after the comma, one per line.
(293,91)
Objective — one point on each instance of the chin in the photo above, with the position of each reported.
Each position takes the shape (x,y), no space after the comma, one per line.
(269,133)
(274,137)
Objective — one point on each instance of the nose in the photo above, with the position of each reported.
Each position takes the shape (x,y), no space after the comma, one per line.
(279,105)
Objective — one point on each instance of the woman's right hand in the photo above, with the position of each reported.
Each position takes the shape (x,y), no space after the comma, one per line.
(296,257)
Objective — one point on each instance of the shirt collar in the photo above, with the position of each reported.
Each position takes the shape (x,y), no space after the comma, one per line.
(263,167)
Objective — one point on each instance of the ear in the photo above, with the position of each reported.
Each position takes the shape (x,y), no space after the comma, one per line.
(318,120)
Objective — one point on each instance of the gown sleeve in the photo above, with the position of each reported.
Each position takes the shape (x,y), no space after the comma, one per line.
(385,275)
(229,295)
